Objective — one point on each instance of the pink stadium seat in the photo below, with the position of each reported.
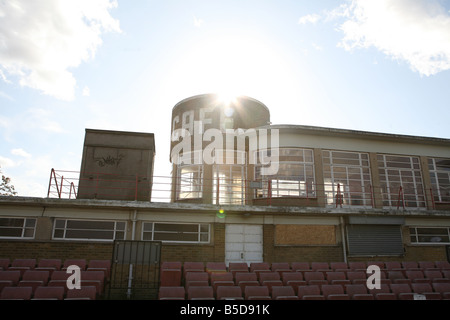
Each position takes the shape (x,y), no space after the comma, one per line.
(443,289)
(358,292)
(283,293)
(49,293)
(310,292)
(171,293)
(300,266)
(200,293)
(85,293)
(82,263)
(427,290)
(229,293)
(257,293)
(315,278)
(16,293)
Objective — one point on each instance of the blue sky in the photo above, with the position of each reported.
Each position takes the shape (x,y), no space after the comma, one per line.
(380,66)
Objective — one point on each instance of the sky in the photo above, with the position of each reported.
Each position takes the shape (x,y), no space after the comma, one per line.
(66,65)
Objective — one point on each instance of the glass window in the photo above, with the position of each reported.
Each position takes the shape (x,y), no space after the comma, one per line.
(229,184)
(190,183)
(176,232)
(17,228)
(401,181)
(440,178)
(347,178)
(89,230)
(295,176)
(430,235)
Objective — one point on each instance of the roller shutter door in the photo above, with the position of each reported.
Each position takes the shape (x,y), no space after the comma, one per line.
(374,240)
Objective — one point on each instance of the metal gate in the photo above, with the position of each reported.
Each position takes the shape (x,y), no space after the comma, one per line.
(135,270)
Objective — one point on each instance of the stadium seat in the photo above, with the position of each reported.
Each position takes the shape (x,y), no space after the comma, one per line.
(268,276)
(283,293)
(337,277)
(310,292)
(320,266)
(427,265)
(49,265)
(384,293)
(196,278)
(334,292)
(357,277)
(221,279)
(93,278)
(244,279)
(393,266)
(84,293)
(200,293)
(170,277)
(100,265)
(4,264)
(300,266)
(435,276)
(293,279)
(22,265)
(81,263)
(171,293)
(257,293)
(339,266)
(259,267)
(177,265)
(193,266)
(280,267)
(216,267)
(11,276)
(357,266)
(34,279)
(358,292)
(235,267)
(443,265)
(229,293)
(315,278)
(16,293)
(403,291)
(443,289)
(410,265)
(427,290)
(416,276)
(398,277)
(49,293)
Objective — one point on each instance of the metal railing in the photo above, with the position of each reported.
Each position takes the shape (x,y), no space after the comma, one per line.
(232,191)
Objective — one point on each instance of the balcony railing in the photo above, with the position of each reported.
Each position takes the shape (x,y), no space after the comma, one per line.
(232,191)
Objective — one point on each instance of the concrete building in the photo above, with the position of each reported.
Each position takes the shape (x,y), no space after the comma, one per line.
(337,195)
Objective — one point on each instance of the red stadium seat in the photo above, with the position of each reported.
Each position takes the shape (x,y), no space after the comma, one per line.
(358,292)
(171,293)
(257,293)
(334,292)
(229,293)
(16,293)
(200,293)
(283,293)
(84,293)
(310,292)
(49,293)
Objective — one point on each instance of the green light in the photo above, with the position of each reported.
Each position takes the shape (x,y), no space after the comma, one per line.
(221,214)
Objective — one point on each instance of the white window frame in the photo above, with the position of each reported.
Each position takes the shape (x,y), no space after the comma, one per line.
(437,187)
(24,228)
(115,230)
(417,235)
(198,232)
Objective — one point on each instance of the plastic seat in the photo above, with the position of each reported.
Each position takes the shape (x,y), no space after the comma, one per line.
(235,267)
(93,278)
(267,276)
(280,267)
(22,265)
(393,266)
(300,266)
(398,277)
(293,279)
(410,265)
(337,277)
(244,279)
(283,293)
(100,265)
(443,288)
(427,290)
(84,293)
(402,290)
(257,293)
(81,263)
(171,293)
(339,266)
(192,266)
(196,278)
(358,292)
(357,277)
(435,276)
(383,293)
(49,293)
(315,278)
(229,293)
(49,265)
(310,292)
(170,277)
(34,279)
(4,264)
(443,265)
(10,276)
(427,265)
(416,276)
(200,293)
(216,267)
(16,293)
(259,267)
(334,292)
(177,265)
(357,266)
(221,279)
(320,266)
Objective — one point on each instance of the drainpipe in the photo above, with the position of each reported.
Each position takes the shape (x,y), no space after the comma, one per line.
(130,271)
(344,249)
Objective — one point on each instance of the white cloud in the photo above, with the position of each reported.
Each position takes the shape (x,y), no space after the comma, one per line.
(42,40)
(413,31)
(198,22)
(6,162)
(310,18)
(20,152)
(86,92)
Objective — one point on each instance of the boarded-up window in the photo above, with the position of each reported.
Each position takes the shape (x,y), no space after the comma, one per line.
(305,235)
(374,240)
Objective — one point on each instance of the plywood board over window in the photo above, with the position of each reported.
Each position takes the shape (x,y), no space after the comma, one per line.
(305,235)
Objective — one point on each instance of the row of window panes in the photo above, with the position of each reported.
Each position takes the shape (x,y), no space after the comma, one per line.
(440,179)
(17,228)
(173,232)
(429,235)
